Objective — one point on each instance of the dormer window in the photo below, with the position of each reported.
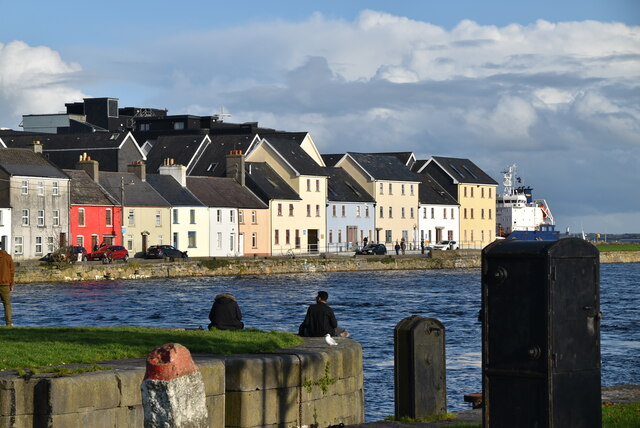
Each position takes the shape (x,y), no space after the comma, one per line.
(178,126)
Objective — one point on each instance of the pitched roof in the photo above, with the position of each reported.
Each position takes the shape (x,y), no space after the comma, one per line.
(181,148)
(383,167)
(88,141)
(212,163)
(172,191)
(223,192)
(343,187)
(266,183)
(463,170)
(430,192)
(417,166)
(332,159)
(406,158)
(27,163)
(136,192)
(289,148)
(85,191)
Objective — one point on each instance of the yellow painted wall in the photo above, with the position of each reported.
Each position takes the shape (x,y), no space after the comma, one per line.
(477,214)
(145,221)
(396,201)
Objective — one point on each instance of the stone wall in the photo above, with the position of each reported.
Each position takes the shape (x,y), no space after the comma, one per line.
(304,385)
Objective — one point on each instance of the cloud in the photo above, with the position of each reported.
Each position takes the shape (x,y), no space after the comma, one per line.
(33,80)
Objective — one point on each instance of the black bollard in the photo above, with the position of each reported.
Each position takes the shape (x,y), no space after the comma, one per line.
(420,368)
(541,334)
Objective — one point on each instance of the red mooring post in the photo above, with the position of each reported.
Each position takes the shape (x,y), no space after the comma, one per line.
(173,390)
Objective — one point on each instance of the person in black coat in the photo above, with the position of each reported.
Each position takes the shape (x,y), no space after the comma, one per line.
(225,313)
(320,319)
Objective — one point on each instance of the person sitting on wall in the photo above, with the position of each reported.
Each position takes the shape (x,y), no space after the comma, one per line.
(225,313)
(320,319)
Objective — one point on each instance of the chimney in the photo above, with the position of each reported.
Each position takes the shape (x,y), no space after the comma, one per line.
(179,172)
(36,146)
(235,166)
(139,169)
(91,167)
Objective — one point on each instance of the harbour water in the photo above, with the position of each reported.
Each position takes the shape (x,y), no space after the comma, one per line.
(368,304)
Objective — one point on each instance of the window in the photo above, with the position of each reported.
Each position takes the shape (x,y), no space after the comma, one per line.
(411,190)
(176,239)
(444,213)
(366,211)
(132,218)
(287,237)
(317,185)
(308,210)
(333,210)
(390,188)
(175,216)
(465,213)
(80,240)
(402,189)
(232,217)
(290,210)
(482,216)
(254,240)
(108,217)
(317,210)
(358,211)
(387,236)
(465,191)
(381,212)
(219,240)
(38,245)
(390,212)
(433,212)
(254,218)
(219,216)
(145,126)
(339,236)
(297,238)
(330,236)
(56,217)
(424,213)
(232,240)
(382,188)
(452,215)
(80,217)
(402,212)
(1,218)
(482,192)
(280,209)
(25,217)
(471,190)
(241,216)
(158,219)
(17,245)
(41,218)
(276,237)
(411,212)
(489,192)
(49,244)
(55,190)
(489,213)
(24,188)
(482,235)
(192,216)
(471,217)
(308,185)
(344,211)
(40,188)
(178,125)
(192,239)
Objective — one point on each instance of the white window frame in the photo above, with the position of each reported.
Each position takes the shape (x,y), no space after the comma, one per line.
(40,188)
(55,188)
(40,218)
(254,240)
(56,218)
(81,217)
(18,245)
(24,187)
(158,218)
(38,245)
(25,217)
(108,217)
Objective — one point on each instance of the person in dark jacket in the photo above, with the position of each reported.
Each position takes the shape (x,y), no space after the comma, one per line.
(225,313)
(320,319)
(7,272)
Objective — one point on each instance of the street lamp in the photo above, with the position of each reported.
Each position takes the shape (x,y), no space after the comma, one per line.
(122,227)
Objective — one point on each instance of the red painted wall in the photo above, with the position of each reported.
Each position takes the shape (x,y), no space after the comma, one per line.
(95,224)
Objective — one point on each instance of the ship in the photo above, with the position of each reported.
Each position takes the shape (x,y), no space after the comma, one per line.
(518,215)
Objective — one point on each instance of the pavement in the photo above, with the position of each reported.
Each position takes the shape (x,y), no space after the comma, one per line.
(618,394)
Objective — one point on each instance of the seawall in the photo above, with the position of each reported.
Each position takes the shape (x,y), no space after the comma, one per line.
(28,272)
(304,385)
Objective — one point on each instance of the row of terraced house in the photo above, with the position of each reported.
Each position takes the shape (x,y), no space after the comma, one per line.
(99,174)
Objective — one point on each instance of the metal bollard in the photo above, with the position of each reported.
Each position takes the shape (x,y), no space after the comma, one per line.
(541,334)
(420,368)
(172,390)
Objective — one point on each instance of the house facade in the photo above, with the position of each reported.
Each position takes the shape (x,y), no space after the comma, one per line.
(438,213)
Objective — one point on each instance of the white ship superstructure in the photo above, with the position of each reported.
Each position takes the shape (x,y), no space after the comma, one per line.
(516,210)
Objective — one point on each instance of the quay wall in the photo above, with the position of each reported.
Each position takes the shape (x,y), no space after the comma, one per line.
(29,272)
(304,385)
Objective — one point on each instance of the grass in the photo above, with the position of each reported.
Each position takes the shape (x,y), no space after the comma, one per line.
(36,348)
(603,247)
(621,415)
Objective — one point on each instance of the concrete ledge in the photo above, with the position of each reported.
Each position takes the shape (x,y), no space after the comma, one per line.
(304,385)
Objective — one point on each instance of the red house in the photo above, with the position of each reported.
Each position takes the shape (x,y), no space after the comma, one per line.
(95,217)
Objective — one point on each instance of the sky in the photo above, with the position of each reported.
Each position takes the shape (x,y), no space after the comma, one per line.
(553,87)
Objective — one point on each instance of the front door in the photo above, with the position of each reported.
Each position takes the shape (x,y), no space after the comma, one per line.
(144,243)
(312,240)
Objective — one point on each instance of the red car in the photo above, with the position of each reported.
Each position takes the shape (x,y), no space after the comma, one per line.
(109,253)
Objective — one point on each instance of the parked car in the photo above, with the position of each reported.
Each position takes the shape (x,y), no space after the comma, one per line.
(109,253)
(69,254)
(164,252)
(445,245)
(379,249)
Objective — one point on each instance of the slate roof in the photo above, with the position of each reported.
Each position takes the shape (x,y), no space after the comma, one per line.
(26,162)
(404,157)
(169,188)
(332,159)
(223,192)
(430,192)
(463,170)
(418,165)
(266,183)
(85,191)
(67,141)
(213,162)
(343,188)
(136,192)
(384,167)
(181,148)
(289,148)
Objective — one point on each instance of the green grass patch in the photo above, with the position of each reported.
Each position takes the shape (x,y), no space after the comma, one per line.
(213,264)
(602,247)
(35,348)
(621,415)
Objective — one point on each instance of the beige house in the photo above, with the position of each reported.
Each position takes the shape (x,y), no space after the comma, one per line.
(474,190)
(395,190)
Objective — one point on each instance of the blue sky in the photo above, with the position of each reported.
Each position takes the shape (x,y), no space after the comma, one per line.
(551,86)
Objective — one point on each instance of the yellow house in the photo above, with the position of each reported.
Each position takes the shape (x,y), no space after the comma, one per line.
(297,205)
(395,190)
(474,190)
